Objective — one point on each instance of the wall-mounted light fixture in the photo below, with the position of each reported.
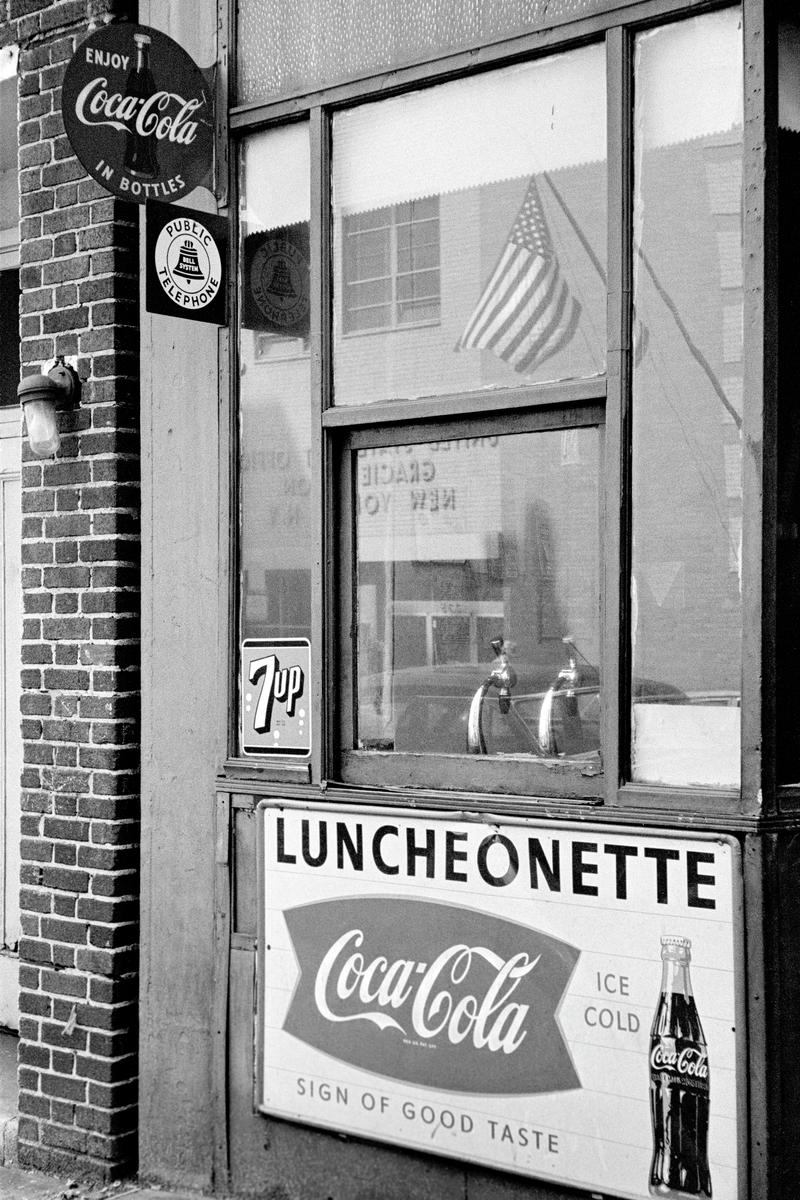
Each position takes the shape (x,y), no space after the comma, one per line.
(41,396)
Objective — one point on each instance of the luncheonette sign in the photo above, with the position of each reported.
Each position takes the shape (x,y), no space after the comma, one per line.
(500,992)
(139,113)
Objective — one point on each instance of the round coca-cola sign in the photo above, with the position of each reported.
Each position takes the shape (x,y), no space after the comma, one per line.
(139,114)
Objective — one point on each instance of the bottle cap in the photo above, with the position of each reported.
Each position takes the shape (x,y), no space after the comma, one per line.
(679,948)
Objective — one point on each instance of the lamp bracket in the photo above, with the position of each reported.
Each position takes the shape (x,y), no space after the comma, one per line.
(60,384)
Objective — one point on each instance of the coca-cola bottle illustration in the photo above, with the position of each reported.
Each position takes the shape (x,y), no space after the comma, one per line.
(140,148)
(679,1084)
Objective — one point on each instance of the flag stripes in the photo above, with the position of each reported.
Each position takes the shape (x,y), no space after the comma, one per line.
(525,313)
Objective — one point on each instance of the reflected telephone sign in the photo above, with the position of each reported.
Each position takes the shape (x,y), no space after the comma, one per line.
(275,696)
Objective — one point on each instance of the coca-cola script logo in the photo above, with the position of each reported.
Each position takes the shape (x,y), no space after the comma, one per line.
(432,994)
(688,1061)
(139,113)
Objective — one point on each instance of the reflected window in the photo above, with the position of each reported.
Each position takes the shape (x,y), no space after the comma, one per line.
(687,399)
(269,346)
(475,556)
(391,266)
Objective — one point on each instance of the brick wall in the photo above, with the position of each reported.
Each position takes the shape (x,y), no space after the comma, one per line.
(80,650)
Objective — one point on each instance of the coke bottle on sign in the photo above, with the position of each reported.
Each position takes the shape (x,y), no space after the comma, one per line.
(679,1085)
(140,149)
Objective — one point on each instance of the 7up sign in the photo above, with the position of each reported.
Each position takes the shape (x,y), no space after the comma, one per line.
(275,700)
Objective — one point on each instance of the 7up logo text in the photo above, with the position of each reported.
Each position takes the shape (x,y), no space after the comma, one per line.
(279,683)
(276,714)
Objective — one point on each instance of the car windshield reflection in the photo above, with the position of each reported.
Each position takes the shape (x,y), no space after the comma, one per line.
(427,710)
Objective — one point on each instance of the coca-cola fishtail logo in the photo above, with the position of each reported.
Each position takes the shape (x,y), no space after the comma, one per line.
(139,113)
(432,994)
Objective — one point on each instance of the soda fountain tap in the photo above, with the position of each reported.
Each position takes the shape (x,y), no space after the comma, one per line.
(503,677)
(568,679)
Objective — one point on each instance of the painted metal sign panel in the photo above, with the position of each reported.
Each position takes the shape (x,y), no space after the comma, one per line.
(187,253)
(139,113)
(275,696)
(504,993)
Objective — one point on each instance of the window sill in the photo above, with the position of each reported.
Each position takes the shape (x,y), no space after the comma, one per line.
(278,770)
(433,323)
(549,778)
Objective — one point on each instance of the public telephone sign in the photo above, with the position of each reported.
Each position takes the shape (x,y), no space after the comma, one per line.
(186,263)
(139,113)
(498,991)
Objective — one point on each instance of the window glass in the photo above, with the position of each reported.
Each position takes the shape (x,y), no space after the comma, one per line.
(9,228)
(298,45)
(469,233)
(9,336)
(475,557)
(275,386)
(9,175)
(687,400)
(788,553)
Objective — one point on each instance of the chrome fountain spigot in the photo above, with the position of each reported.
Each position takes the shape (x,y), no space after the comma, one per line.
(569,676)
(503,677)
(568,679)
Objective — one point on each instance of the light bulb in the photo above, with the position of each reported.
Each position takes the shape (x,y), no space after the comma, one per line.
(43,436)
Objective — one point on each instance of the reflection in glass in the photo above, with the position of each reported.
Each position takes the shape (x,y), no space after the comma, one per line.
(687,398)
(275,387)
(469,232)
(461,543)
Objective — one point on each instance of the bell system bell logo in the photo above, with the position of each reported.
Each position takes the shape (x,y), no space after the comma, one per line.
(188,263)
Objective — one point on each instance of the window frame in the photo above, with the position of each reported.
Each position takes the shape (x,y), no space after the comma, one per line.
(335,428)
(513,776)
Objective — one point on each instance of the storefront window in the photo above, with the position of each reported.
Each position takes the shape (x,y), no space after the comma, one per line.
(687,400)
(467,284)
(479,557)
(275,387)
(469,233)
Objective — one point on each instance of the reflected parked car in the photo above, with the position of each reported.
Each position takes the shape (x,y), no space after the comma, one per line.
(458,708)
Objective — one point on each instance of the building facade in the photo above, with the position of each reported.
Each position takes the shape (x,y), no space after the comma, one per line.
(406,659)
